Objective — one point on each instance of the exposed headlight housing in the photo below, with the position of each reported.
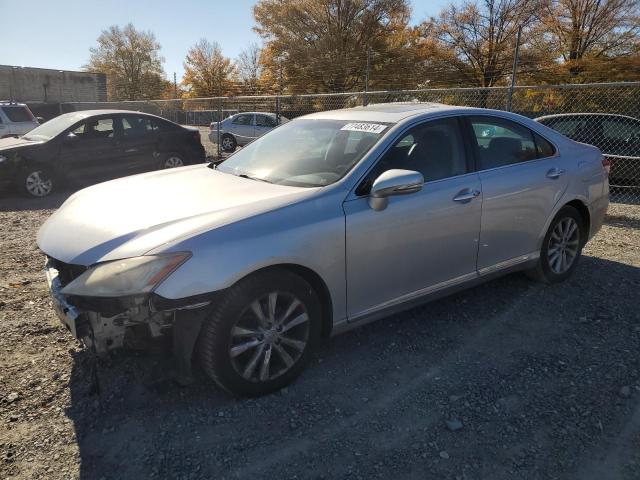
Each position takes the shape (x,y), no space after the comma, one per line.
(126,277)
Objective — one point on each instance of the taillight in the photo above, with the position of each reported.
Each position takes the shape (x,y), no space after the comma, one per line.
(606,164)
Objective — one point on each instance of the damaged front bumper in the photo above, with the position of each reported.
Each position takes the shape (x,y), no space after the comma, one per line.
(104,324)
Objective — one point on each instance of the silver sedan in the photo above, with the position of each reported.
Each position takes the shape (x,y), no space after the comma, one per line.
(242,128)
(367,211)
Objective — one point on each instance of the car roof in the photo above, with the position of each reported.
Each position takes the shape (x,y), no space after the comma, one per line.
(90,113)
(570,115)
(387,112)
(254,113)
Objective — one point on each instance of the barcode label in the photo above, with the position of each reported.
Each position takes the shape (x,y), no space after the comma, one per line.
(364,127)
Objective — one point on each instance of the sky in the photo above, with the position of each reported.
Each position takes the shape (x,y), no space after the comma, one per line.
(58,35)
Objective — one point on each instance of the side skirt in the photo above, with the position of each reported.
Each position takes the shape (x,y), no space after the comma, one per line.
(435,292)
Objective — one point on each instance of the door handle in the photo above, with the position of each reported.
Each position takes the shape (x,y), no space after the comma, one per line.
(466,195)
(555,173)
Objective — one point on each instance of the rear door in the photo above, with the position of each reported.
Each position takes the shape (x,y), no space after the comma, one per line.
(138,144)
(264,123)
(522,179)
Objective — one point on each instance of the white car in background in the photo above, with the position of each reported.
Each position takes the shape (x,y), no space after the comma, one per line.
(242,128)
(16,119)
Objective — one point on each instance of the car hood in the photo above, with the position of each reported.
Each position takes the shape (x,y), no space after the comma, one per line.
(133,215)
(12,143)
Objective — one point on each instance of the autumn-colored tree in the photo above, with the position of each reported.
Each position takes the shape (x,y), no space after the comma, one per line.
(131,59)
(322,45)
(207,72)
(589,36)
(473,43)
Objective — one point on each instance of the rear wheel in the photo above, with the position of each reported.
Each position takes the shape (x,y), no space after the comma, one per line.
(172,160)
(261,335)
(561,248)
(37,182)
(228,143)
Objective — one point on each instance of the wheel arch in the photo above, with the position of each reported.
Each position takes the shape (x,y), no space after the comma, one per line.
(584,212)
(580,205)
(317,283)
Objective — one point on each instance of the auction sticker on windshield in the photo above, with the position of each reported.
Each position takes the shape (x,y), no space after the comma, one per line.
(364,127)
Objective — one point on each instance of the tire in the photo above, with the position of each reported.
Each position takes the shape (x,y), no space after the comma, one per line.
(235,346)
(550,267)
(37,182)
(228,143)
(172,160)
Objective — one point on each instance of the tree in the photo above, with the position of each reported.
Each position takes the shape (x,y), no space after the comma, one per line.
(132,62)
(322,45)
(588,34)
(473,44)
(207,72)
(249,68)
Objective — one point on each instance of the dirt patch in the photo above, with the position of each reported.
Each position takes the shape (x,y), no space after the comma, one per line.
(508,380)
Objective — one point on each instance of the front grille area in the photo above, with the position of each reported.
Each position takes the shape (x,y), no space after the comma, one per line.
(67,272)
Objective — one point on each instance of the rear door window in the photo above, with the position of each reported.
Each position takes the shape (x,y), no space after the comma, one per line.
(18,114)
(501,142)
(134,126)
(265,121)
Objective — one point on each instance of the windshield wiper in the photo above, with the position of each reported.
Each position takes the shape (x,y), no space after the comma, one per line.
(244,175)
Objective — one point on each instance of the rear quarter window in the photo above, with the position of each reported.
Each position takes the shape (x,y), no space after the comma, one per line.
(544,147)
(18,114)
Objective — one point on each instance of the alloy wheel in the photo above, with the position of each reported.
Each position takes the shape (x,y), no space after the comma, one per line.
(269,337)
(173,162)
(38,184)
(564,245)
(227,144)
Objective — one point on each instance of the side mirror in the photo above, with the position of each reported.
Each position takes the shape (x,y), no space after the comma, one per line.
(391,183)
(70,138)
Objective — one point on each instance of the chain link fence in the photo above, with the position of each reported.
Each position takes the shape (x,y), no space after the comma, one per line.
(604,115)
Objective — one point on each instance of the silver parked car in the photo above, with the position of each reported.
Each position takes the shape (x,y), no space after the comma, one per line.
(242,128)
(366,212)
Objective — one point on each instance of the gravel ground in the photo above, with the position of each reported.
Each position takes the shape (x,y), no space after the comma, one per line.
(509,380)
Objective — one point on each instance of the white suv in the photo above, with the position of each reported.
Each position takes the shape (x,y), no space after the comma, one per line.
(15,119)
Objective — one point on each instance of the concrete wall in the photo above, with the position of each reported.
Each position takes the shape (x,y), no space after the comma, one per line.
(27,84)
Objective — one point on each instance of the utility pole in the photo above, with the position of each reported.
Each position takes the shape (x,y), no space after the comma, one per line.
(366,78)
(515,70)
(175,86)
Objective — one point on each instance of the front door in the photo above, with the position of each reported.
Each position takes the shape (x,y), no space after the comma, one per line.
(89,152)
(423,241)
(523,179)
(243,128)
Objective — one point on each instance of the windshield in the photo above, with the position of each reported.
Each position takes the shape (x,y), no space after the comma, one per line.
(305,153)
(54,127)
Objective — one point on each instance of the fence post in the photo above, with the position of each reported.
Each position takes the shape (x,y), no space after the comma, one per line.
(277,109)
(514,71)
(219,120)
(365,100)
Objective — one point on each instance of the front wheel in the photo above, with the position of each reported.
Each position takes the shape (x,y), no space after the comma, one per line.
(561,247)
(261,335)
(37,182)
